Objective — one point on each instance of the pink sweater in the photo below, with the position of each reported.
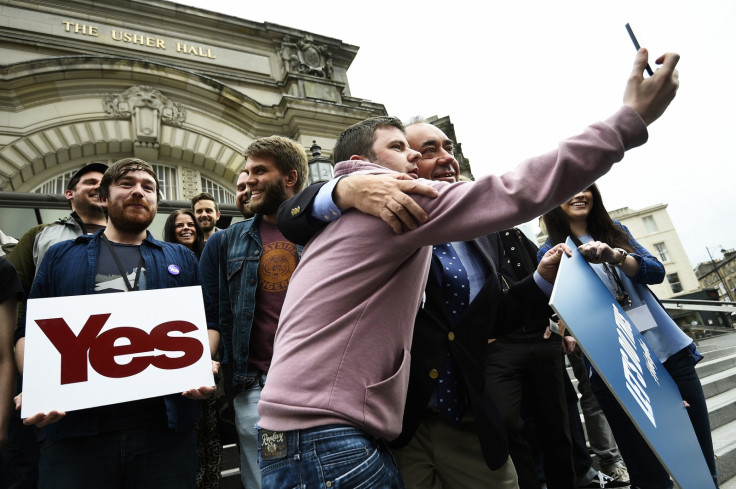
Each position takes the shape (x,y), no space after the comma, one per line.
(341,352)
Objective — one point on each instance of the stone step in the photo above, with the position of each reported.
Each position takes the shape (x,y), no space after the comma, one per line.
(729,484)
(719,352)
(720,341)
(719,382)
(724,445)
(231,480)
(716,342)
(230,474)
(721,408)
(230,457)
(713,364)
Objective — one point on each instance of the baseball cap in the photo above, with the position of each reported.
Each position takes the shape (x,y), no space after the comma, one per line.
(96,166)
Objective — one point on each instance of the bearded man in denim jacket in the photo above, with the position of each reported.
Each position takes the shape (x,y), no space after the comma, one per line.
(256,263)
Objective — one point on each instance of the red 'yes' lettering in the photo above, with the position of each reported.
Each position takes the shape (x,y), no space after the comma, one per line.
(102,349)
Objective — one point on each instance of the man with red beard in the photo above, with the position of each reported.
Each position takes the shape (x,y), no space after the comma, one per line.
(137,444)
(255,266)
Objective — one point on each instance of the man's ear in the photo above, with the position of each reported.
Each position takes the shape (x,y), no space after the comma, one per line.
(291,178)
(69,194)
(357,157)
(103,200)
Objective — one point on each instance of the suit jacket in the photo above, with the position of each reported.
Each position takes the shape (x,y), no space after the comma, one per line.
(493,313)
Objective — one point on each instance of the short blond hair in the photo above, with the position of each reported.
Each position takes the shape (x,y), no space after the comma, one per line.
(287,154)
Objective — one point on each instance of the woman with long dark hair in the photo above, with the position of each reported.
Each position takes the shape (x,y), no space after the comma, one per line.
(625,267)
(182,227)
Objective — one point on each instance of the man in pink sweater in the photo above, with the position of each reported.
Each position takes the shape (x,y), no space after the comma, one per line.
(339,371)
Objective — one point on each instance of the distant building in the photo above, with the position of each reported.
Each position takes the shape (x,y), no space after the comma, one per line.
(719,274)
(654,230)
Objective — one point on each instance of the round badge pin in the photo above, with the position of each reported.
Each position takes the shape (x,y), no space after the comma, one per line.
(173,269)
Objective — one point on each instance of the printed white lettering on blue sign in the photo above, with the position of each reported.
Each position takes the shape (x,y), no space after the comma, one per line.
(632,365)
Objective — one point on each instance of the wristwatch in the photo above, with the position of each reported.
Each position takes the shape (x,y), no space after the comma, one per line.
(624,254)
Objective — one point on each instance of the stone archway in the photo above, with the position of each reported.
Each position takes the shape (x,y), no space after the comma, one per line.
(67,111)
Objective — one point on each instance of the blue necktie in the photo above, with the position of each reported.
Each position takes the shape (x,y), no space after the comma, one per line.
(456,291)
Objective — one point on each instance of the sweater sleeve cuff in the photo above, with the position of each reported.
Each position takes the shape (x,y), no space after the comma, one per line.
(630,126)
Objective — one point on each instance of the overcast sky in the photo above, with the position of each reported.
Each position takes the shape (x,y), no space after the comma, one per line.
(517,77)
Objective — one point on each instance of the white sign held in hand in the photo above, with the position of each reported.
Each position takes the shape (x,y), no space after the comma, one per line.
(93,350)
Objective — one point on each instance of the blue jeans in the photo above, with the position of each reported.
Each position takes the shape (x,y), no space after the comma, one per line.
(334,456)
(144,458)
(246,417)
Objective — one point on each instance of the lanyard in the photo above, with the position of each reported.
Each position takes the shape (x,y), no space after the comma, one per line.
(622,297)
(120,266)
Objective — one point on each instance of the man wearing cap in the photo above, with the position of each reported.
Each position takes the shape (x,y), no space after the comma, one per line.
(87,217)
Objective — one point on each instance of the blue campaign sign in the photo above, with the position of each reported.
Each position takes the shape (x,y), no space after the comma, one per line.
(633,373)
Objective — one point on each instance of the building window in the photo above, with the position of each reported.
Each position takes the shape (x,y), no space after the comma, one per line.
(649,224)
(664,255)
(220,193)
(722,290)
(167,181)
(57,185)
(674,281)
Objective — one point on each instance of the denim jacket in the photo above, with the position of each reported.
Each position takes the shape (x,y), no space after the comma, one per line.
(240,255)
(69,268)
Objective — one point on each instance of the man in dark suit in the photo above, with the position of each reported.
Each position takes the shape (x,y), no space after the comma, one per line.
(464,445)
(529,362)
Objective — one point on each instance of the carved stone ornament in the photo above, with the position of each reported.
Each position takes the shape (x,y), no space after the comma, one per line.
(190,182)
(304,56)
(146,99)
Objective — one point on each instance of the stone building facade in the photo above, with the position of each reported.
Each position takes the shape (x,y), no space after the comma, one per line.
(653,229)
(183,88)
(719,274)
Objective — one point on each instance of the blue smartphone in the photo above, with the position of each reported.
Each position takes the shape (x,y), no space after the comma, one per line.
(636,45)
